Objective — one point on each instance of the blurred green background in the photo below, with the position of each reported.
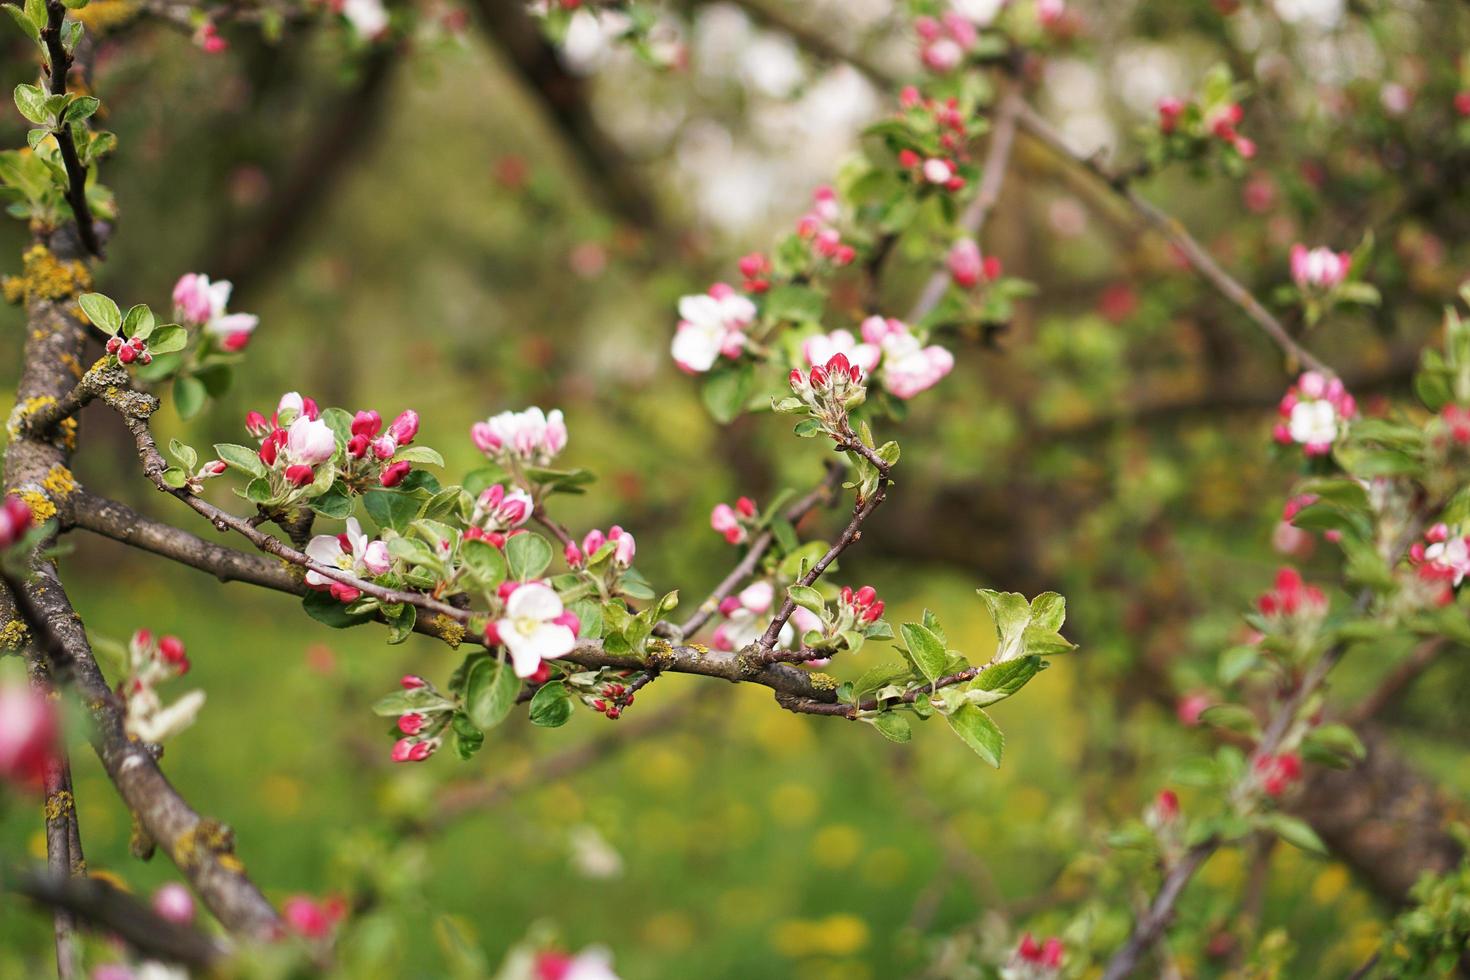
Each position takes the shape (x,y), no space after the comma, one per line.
(423,269)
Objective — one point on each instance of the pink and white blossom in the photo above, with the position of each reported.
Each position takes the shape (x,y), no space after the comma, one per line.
(351,552)
(534,628)
(710,325)
(202,303)
(1314,413)
(1319,268)
(908,366)
(27,734)
(310,441)
(590,964)
(531,435)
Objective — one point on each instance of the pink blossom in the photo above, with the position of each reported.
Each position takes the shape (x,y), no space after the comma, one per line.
(27,734)
(173,902)
(351,552)
(311,918)
(710,325)
(530,435)
(15,521)
(820,348)
(1319,268)
(1314,412)
(310,441)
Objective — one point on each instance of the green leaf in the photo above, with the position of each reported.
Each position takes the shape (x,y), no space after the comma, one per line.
(335,503)
(925,650)
(1295,831)
(1048,611)
(1012,614)
(102,311)
(81,109)
(1008,678)
(880,676)
(418,454)
(401,618)
(321,607)
(402,702)
(490,692)
(186,455)
(31,102)
(485,562)
(799,304)
(391,508)
(1235,717)
(976,730)
(241,458)
(1333,745)
(168,339)
(727,391)
(36,11)
(807,428)
(527,556)
(807,598)
(551,707)
(894,727)
(189,396)
(175,477)
(26,24)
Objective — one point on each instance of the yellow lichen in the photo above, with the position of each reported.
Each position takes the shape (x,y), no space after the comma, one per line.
(58,805)
(448,630)
(231,863)
(68,429)
(115,880)
(823,682)
(42,509)
(207,837)
(73,364)
(59,482)
(44,276)
(12,635)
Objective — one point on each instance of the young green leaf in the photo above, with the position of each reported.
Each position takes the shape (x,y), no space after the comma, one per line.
(925,650)
(976,730)
(490,692)
(527,556)
(102,311)
(551,707)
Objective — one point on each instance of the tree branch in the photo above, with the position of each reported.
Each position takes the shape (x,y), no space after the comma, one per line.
(1200,260)
(992,178)
(59,63)
(117,913)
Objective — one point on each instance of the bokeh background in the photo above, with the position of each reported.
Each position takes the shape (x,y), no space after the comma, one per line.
(453,226)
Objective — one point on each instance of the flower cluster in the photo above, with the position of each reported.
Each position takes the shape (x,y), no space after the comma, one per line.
(1034,960)
(201,303)
(734,523)
(1218,121)
(820,349)
(590,964)
(616,544)
(819,227)
(936,138)
(1319,268)
(27,734)
(855,608)
(311,918)
(150,662)
(369,445)
(498,514)
(746,619)
(351,552)
(908,365)
(710,325)
(829,391)
(130,350)
(1443,555)
(1314,413)
(944,42)
(536,626)
(423,727)
(530,436)
(294,441)
(968,268)
(1291,603)
(15,521)
(756,269)
(1277,773)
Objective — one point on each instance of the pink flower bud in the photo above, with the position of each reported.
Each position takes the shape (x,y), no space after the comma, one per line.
(171,648)
(237,341)
(298,475)
(592,542)
(1166,805)
(405,427)
(411,723)
(127,355)
(746,506)
(357,446)
(393,474)
(174,903)
(570,620)
(573,555)
(15,520)
(313,919)
(366,423)
(114,344)
(257,425)
(965,263)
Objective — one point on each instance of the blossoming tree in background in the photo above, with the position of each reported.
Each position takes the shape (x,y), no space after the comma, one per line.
(366,525)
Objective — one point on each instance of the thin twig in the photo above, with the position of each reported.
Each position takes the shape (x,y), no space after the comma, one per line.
(759,545)
(992,178)
(59,63)
(1195,254)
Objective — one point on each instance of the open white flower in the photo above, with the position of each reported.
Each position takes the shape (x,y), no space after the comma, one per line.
(351,551)
(1313,423)
(530,630)
(711,324)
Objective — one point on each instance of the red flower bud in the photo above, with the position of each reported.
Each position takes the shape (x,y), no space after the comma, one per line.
(172,649)
(394,473)
(299,475)
(366,423)
(411,723)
